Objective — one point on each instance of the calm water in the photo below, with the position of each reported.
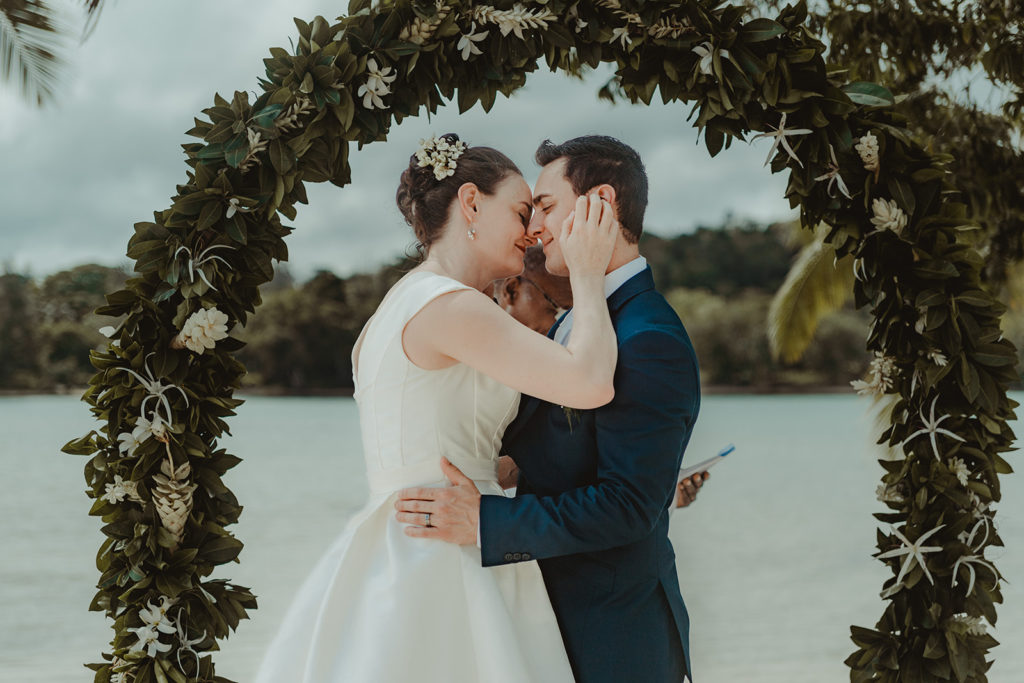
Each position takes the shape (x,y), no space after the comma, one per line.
(774,558)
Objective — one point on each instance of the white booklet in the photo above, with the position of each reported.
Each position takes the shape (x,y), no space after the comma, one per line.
(706,464)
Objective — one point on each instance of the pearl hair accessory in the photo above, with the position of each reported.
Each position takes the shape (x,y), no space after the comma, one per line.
(441,153)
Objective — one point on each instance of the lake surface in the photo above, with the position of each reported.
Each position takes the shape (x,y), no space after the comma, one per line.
(774,558)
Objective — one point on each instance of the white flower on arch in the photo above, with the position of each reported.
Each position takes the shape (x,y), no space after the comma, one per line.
(467,43)
(912,552)
(932,429)
(377,84)
(780,134)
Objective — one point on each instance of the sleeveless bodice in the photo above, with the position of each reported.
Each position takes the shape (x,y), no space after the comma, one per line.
(410,417)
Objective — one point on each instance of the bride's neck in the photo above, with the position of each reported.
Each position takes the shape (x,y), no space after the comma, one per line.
(455,260)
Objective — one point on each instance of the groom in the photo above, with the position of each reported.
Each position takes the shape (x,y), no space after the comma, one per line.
(594,485)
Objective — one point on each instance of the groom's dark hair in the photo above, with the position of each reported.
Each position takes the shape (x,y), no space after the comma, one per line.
(593,160)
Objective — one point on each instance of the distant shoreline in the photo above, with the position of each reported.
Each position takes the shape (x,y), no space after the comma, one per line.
(707,390)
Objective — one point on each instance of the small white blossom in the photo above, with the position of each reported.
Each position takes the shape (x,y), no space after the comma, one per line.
(922,320)
(888,494)
(912,552)
(881,371)
(128,443)
(149,640)
(833,176)
(978,508)
(959,468)
(780,134)
(156,617)
(155,389)
(706,52)
(932,429)
(888,216)
(975,558)
(119,676)
(467,43)
(867,148)
(440,154)
(938,357)
(203,330)
(145,429)
(377,84)
(120,490)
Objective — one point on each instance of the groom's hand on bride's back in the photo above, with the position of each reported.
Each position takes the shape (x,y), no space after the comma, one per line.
(449,514)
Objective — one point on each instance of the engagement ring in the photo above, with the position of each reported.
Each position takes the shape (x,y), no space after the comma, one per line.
(427,516)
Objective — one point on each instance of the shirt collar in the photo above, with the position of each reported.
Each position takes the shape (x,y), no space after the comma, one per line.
(622,274)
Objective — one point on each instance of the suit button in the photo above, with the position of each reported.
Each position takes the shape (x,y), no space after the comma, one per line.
(526,556)
(517,556)
(508,556)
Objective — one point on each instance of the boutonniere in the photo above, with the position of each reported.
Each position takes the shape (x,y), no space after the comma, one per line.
(570,415)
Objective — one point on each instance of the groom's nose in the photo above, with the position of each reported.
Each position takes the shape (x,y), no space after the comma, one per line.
(536,227)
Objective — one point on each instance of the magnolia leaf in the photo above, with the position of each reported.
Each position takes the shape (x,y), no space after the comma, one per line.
(761,29)
(869,94)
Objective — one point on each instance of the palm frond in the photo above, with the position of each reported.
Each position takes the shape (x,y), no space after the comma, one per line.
(93,9)
(31,40)
(815,286)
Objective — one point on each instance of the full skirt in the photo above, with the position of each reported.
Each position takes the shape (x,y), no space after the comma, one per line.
(382,607)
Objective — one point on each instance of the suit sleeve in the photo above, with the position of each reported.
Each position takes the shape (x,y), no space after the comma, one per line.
(640,438)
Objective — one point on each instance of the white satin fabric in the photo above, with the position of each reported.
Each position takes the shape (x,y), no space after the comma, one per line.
(381,607)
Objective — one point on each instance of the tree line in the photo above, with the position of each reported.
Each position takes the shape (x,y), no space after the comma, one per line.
(719,280)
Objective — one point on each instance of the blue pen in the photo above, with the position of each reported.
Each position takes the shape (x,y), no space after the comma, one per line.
(706,464)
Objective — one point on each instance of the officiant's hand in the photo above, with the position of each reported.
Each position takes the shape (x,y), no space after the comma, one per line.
(686,490)
(454,511)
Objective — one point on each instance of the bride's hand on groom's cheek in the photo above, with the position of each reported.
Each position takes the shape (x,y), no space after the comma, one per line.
(449,514)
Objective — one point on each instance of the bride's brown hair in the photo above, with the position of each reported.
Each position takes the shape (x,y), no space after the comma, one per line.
(425,201)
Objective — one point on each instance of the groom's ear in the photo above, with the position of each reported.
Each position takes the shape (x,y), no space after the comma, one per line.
(606,192)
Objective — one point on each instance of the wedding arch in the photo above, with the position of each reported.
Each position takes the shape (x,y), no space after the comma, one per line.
(165,383)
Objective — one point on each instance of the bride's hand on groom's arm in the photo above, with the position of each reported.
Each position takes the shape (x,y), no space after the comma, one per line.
(454,511)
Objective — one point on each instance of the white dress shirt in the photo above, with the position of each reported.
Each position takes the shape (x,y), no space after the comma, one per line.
(612,281)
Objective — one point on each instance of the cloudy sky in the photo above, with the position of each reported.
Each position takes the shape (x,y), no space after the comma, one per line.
(78,173)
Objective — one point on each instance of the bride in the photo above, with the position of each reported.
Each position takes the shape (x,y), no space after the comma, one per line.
(438,371)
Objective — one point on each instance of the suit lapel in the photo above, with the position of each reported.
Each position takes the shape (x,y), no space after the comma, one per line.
(639,283)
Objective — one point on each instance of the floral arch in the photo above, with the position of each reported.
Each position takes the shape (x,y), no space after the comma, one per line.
(164,385)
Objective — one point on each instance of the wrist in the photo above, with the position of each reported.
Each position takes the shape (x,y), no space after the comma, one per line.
(585,280)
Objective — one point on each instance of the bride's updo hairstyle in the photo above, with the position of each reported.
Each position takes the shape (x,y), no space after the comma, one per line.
(425,201)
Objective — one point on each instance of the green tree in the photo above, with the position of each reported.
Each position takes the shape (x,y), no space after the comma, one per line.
(19,366)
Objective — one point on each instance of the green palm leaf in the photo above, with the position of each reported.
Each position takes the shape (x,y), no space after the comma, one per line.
(815,286)
(30,41)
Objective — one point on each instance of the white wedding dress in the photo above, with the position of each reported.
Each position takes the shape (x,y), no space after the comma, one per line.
(382,607)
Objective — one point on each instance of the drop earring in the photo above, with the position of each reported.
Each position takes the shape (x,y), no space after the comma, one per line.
(471,233)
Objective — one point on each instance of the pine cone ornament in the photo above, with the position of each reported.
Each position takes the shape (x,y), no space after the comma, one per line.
(173,497)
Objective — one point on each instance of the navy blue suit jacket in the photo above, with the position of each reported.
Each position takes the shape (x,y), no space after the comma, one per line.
(593,498)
